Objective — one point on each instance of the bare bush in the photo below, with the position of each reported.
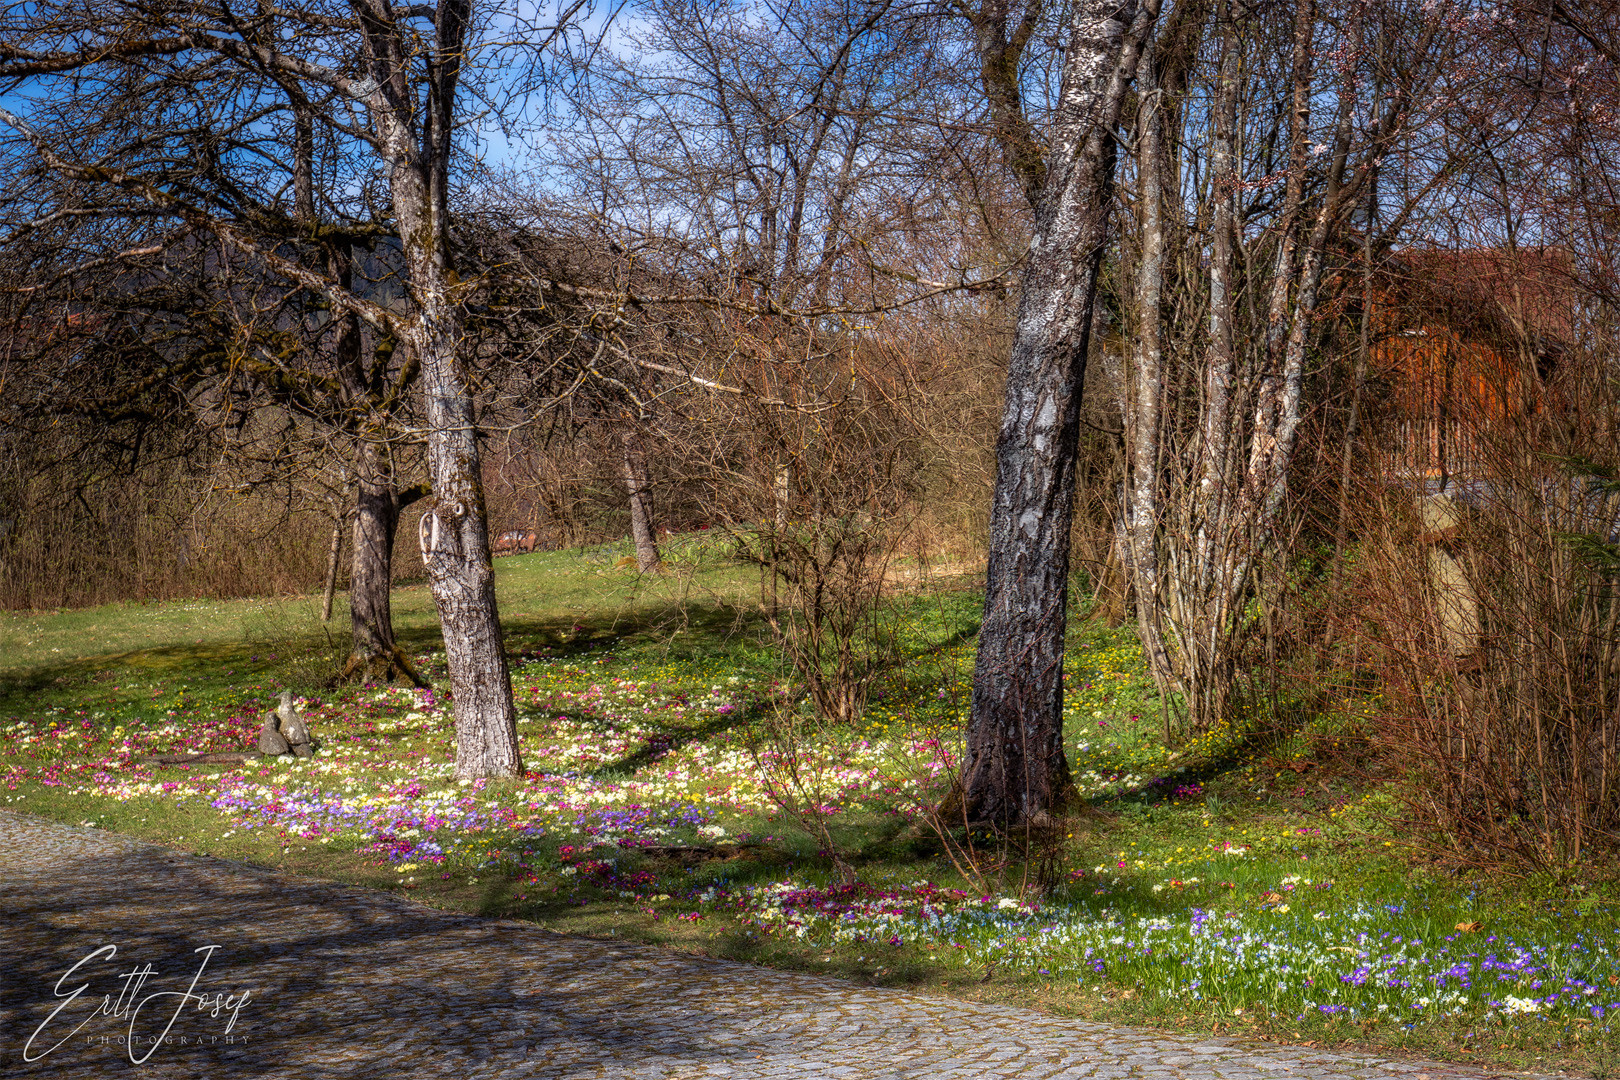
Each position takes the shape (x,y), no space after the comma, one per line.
(799,762)
(79,527)
(1490,614)
(820,497)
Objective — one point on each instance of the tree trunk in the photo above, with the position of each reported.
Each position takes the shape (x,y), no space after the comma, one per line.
(333,550)
(1015,772)
(376,519)
(1145,387)
(783,494)
(641,508)
(455,550)
(1219,569)
(417,142)
(374,655)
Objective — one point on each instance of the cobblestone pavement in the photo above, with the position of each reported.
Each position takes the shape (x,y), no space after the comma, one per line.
(342,982)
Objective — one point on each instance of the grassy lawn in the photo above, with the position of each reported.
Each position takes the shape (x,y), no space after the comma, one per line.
(1242,884)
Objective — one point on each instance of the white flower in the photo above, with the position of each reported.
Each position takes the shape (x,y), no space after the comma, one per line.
(1006,903)
(1521,1005)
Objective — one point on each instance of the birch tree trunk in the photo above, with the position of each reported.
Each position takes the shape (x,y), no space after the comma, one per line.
(1227,500)
(1015,772)
(1145,384)
(1202,628)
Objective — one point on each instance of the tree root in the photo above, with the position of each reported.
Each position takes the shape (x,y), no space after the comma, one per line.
(388,667)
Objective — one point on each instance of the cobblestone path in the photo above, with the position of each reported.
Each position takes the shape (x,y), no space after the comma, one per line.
(343,982)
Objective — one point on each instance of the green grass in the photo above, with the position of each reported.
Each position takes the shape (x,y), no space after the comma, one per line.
(1238,884)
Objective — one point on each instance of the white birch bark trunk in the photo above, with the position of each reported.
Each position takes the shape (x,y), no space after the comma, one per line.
(1015,772)
(1145,386)
(1202,632)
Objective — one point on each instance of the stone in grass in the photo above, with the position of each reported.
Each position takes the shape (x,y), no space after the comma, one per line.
(271,744)
(293,728)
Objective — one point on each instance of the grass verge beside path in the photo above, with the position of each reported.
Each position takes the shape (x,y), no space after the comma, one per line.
(1222,888)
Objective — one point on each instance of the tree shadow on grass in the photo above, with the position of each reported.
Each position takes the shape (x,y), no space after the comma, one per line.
(675,628)
(659,747)
(24,689)
(1252,745)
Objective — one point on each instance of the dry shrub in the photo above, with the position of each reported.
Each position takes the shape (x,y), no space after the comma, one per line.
(816,474)
(75,533)
(800,763)
(1490,618)
(825,559)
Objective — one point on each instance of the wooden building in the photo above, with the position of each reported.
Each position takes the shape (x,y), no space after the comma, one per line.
(1462,342)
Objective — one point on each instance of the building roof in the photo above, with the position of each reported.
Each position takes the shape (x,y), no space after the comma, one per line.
(1493,295)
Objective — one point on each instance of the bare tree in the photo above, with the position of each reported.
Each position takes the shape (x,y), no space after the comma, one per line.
(388,82)
(1240,204)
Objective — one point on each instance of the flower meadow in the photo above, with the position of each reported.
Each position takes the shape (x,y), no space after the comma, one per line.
(617,750)
(1313,955)
(650,788)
